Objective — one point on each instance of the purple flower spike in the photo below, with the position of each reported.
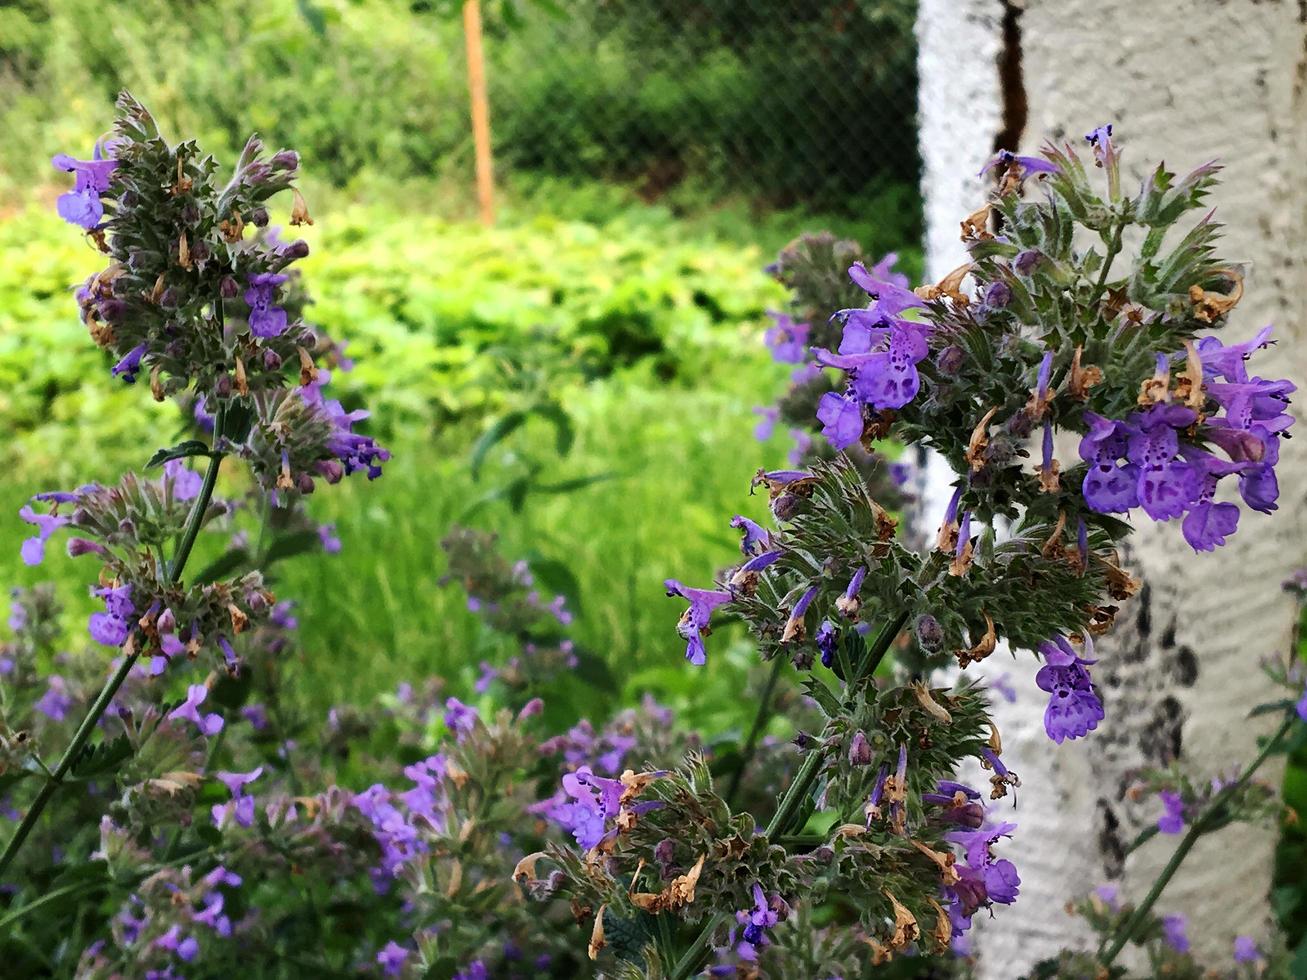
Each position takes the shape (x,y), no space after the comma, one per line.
(210,724)
(82,206)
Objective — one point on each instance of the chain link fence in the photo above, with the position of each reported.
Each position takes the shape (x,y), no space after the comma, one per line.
(785,102)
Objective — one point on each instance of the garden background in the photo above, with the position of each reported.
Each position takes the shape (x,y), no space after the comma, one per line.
(567,377)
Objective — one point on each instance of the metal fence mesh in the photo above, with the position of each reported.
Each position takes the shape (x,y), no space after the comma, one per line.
(785,101)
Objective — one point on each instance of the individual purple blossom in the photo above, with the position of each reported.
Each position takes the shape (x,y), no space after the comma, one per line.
(1110,896)
(694,623)
(476,970)
(114,625)
(756,922)
(1172,819)
(186,948)
(827,639)
(794,625)
(461,719)
(1074,708)
(1026,165)
(82,205)
(33,549)
(1108,488)
(756,538)
(788,340)
(982,878)
(885,378)
(130,365)
(212,913)
(328,538)
(764,429)
(889,291)
(353,450)
(56,702)
(1101,140)
(185,482)
(1174,931)
(266,318)
(1245,950)
(841,419)
(1301,706)
(589,802)
(392,958)
(210,724)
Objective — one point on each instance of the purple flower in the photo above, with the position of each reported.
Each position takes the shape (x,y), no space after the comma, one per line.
(354,450)
(113,626)
(756,539)
(890,293)
(1166,484)
(185,482)
(1025,165)
(1301,706)
(1110,896)
(794,625)
(461,719)
(1245,950)
(327,536)
(841,418)
(694,623)
(1074,708)
(827,639)
(476,970)
(788,340)
(982,878)
(33,549)
(1101,140)
(756,922)
(1172,820)
(56,702)
(210,724)
(589,802)
(82,206)
(266,318)
(885,378)
(764,429)
(392,959)
(130,364)
(1173,929)
(1108,489)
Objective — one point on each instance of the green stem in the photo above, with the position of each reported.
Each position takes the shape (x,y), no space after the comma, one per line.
(106,695)
(1196,830)
(759,722)
(790,806)
(1113,247)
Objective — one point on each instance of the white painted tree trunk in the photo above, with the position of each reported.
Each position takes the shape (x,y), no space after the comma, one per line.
(1184,81)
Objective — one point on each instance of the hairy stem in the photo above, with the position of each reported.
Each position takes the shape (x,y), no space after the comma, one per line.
(759,723)
(106,695)
(1196,830)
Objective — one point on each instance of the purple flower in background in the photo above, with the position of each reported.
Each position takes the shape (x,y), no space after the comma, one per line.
(841,419)
(1301,707)
(56,702)
(392,958)
(266,318)
(327,536)
(1172,820)
(33,549)
(788,340)
(82,206)
(1110,896)
(1174,931)
(1245,950)
(210,724)
(764,429)
(694,623)
(113,626)
(1074,708)
(185,482)
(130,364)
(172,941)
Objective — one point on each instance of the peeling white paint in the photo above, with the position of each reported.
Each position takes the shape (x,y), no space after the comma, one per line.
(1182,80)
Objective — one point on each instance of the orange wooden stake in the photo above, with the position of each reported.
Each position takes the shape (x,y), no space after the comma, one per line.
(476,83)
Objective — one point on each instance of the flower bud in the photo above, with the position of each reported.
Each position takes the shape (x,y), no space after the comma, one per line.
(81,546)
(285,160)
(950,360)
(1026,261)
(222,387)
(929,633)
(297,249)
(228,288)
(531,709)
(259,217)
(859,750)
(168,299)
(271,360)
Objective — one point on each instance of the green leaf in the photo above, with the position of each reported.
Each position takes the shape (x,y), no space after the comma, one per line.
(503,427)
(577,483)
(290,545)
(594,670)
(191,447)
(564,433)
(101,759)
(222,566)
(557,578)
(240,417)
